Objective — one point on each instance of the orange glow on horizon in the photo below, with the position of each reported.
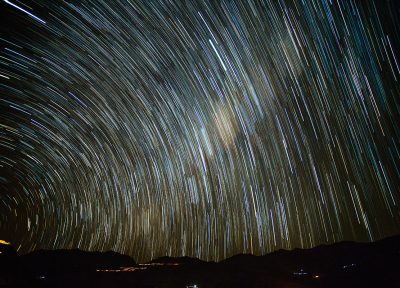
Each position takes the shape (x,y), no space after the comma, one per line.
(4,242)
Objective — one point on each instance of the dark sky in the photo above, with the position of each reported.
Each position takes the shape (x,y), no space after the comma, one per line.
(199,128)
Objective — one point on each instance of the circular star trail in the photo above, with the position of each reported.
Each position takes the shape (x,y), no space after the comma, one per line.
(198,128)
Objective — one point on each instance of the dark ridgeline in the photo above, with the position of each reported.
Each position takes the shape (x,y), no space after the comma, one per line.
(345,264)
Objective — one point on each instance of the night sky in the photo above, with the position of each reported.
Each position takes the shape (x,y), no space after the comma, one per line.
(198,128)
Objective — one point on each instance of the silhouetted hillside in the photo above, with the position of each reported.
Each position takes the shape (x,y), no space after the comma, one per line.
(10,265)
(345,264)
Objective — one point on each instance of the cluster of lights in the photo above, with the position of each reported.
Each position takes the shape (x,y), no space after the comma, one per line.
(122,269)
(141,267)
(348,266)
(159,264)
(300,273)
(303,273)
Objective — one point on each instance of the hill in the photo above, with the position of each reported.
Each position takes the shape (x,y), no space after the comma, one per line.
(345,264)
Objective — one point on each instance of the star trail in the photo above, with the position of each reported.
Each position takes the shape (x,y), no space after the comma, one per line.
(198,128)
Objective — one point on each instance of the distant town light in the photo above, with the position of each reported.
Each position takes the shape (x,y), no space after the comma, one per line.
(300,273)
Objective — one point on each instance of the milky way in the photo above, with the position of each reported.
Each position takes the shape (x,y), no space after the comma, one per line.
(199,128)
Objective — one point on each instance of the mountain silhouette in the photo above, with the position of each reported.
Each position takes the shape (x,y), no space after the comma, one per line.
(344,264)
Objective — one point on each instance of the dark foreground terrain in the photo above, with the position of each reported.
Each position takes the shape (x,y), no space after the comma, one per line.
(345,264)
